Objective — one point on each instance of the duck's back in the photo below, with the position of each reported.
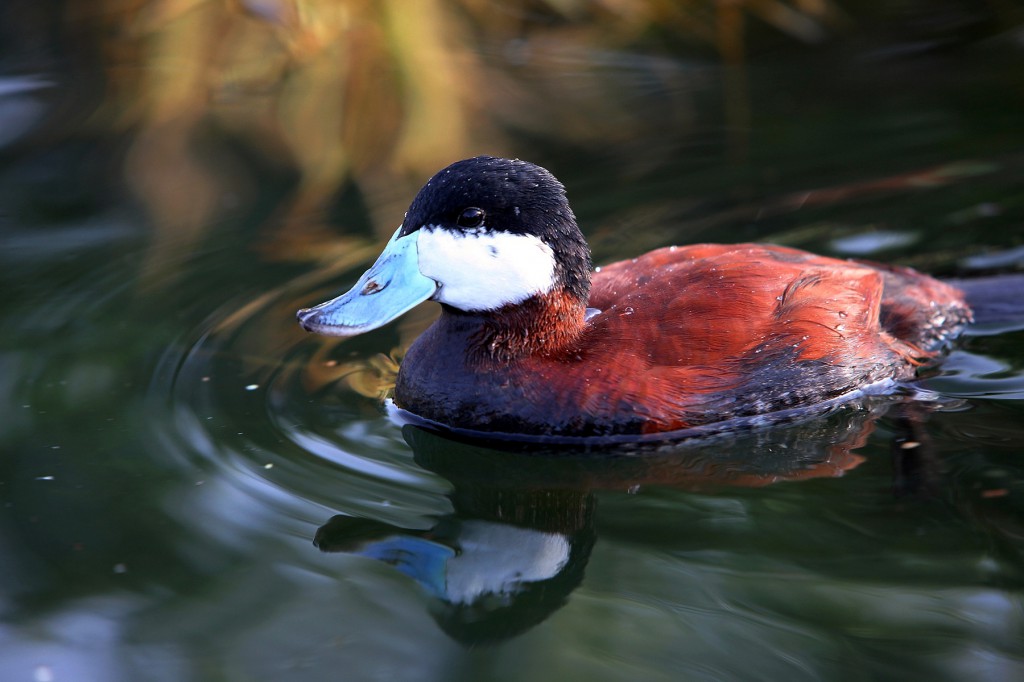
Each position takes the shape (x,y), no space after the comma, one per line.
(709,332)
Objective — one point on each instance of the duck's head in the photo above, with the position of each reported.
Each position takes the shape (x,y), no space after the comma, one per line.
(482,235)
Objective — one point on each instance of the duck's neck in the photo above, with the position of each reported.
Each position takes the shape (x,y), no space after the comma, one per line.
(545,325)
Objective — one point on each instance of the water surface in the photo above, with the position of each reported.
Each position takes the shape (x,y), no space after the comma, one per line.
(193,488)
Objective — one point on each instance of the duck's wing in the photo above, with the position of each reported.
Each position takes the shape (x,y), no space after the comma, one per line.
(710,332)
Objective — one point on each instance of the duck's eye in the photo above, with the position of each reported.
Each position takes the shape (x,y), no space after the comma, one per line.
(471,217)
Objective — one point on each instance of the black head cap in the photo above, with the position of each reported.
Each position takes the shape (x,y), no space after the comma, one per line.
(506,195)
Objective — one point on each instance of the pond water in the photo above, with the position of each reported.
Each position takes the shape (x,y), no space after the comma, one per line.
(192,488)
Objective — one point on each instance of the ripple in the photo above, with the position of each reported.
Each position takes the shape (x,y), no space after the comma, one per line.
(972,375)
(257,407)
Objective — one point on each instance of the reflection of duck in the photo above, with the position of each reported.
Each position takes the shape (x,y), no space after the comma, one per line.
(677,338)
(522,529)
(501,563)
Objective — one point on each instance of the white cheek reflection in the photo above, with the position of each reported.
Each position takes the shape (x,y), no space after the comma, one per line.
(499,559)
(484,270)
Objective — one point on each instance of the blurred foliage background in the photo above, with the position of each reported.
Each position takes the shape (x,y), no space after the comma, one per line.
(196,98)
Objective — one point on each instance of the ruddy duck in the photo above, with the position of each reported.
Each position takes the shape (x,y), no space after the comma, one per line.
(532,342)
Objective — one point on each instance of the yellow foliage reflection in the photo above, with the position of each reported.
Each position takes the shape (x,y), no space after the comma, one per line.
(381,93)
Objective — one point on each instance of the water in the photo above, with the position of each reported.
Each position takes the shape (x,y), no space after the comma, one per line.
(193,488)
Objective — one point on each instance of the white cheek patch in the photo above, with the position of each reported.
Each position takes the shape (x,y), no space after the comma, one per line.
(485,270)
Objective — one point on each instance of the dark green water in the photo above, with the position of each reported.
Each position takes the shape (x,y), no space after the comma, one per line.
(172,443)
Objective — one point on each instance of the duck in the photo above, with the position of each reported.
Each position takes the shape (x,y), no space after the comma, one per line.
(532,341)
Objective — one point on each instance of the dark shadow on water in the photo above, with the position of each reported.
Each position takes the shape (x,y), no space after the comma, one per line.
(522,526)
